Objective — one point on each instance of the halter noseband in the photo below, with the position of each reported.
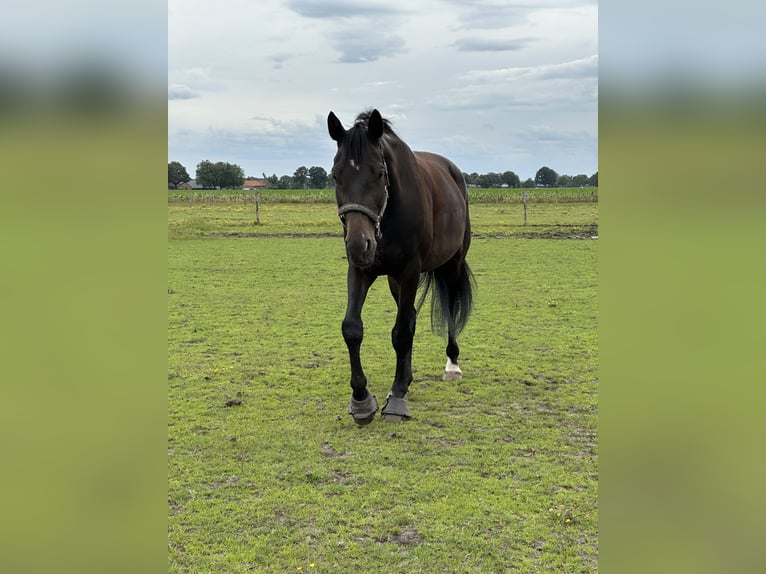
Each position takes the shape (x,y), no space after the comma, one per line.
(359,208)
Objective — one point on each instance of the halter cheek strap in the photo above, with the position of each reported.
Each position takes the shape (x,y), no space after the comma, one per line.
(359,208)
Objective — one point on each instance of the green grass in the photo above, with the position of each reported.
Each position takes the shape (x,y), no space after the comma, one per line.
(286,219)
(495,473)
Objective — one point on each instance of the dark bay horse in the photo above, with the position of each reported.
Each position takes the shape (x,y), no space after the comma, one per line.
(404,215)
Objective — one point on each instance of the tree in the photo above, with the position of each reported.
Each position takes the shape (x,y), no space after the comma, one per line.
(177,174)
(510,178)
(564,181)
(580,180)
(206,174)
(272,179)
(285,182)
(593,180)
(528,183)
(233,176)
(471,178)
(300,177)
(546,177)
(219,175)
(490,179)
(317,177)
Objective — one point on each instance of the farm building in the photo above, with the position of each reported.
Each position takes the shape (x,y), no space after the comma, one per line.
(255,184)
(191,184)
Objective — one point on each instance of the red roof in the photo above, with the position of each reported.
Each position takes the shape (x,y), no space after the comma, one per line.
(256,183)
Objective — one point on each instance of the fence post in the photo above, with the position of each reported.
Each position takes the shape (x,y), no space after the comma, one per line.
(524,201)
(257,207)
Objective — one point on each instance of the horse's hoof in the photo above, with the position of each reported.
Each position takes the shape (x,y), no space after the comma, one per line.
(361,421)
(395,410)
(363,411)
(395,418)
(451,371)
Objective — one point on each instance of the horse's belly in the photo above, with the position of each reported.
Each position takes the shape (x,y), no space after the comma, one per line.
(448,237)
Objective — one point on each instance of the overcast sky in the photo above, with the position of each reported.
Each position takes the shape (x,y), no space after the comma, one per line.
(491,84)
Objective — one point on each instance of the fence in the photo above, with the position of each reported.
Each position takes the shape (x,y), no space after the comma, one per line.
(535,195)
(475,195)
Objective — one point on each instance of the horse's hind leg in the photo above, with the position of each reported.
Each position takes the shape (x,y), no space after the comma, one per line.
(450,277)
(451,369)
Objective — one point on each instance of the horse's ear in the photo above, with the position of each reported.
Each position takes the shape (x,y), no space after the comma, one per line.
(375,126)
(336,129)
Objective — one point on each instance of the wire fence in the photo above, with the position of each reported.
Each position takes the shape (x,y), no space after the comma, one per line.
(535,195)
(475,195)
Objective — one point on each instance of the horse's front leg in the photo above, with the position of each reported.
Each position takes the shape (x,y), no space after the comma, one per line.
(363,405)
(402,336)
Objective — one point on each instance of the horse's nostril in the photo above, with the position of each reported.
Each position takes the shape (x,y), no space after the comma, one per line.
(367,245)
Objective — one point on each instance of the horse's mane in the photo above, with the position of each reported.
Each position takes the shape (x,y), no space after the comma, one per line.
(356,140)
(364,119)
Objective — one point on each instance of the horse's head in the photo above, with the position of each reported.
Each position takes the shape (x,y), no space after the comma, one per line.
(361,184)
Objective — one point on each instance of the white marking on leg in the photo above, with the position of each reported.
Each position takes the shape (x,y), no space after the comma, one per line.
(452,371)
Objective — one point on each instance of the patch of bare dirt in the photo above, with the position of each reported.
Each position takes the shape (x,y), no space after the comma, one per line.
(329,451)
(278,235)
(558,232)
(407,537)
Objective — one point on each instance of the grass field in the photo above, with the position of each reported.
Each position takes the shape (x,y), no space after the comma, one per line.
(544,220)
(267,472)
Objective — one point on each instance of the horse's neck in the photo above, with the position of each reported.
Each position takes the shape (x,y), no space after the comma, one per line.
(398,154)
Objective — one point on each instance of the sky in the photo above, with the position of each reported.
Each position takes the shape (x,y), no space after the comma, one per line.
(493,85)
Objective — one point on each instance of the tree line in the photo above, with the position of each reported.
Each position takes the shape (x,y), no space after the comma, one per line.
(545,177)
(223,175)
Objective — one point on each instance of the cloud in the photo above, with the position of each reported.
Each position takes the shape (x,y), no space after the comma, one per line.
(334,9)
(490,15)
(456,77)
(359,47)
(546,135)
(481,44)
(572,145)
(279,59)
(480,15)
(581,68)
(181,92)
(188,83)
(261,143)
(568,84)
(264,135)
(359,31)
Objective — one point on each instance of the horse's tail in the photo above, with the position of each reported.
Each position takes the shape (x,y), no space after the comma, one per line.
(441,312)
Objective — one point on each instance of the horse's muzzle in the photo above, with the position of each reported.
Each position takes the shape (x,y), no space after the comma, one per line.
(360,249)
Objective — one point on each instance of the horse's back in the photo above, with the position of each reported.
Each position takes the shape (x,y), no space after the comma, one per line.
(436,165)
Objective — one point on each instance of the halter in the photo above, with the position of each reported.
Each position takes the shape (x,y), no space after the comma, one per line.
(359,208)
